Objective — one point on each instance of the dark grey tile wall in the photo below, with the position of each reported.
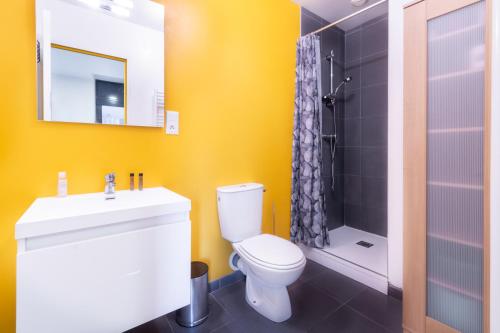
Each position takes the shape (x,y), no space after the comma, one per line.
(365,127)
(331,39)
(359,198)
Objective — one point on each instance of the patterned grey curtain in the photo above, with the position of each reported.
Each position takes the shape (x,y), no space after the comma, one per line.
(308,225)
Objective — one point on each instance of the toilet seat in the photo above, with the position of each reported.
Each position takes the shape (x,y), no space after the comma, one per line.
(270,264)
(271,252)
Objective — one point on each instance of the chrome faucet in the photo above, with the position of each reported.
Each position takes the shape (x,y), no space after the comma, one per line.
(109,189)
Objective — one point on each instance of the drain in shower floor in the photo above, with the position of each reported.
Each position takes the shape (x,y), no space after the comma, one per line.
(364,244)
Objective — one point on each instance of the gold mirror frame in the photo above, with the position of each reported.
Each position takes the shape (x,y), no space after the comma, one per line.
(106,56)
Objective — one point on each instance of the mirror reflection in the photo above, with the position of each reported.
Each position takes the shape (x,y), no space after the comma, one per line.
(87,87)
(100,61)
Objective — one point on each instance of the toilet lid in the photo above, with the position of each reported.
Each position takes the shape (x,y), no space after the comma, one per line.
(272,250)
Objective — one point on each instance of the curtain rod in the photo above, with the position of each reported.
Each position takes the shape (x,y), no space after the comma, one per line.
(347,17)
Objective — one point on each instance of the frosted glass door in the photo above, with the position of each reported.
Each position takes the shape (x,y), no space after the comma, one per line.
(455,117)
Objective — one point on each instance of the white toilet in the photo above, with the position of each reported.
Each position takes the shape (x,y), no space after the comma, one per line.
(269,262)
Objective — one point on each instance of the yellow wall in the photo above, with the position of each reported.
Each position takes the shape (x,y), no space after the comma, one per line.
(230,74)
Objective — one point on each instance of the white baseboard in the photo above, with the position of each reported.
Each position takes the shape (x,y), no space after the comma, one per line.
(355,272)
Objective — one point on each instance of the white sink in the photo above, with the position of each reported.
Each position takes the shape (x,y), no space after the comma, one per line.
(94,265)
(52,214)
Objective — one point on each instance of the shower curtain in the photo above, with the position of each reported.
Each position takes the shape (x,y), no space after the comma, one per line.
(308,217)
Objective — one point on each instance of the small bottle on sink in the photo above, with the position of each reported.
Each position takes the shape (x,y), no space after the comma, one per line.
(132,185)
(141,181)
(62,184)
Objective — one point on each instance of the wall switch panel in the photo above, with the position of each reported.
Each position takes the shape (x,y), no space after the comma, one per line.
(172,123)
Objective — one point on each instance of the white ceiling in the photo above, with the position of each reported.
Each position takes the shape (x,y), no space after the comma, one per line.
(333,10)
(145,12)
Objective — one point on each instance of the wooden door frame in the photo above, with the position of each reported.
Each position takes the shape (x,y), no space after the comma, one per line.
(437,8)
(414,167)
(416,17)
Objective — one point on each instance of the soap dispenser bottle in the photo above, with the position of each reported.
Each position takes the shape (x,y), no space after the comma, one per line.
(62,184)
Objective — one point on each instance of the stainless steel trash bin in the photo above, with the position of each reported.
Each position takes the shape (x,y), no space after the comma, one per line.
(195,313)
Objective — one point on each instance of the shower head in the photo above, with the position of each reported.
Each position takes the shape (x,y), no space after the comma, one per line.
(346,80)
(330,98)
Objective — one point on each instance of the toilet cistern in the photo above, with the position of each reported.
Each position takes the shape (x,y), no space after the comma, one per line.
(270,263)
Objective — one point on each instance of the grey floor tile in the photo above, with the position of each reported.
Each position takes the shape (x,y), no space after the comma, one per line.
(251,322)
(312,270)
(158,325)
(309,305)
(316,306)
(338,286)
(232,298)
(346,320)
(380,308)
(243,317)
(217,317)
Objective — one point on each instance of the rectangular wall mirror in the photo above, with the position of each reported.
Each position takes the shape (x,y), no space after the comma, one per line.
(100,61)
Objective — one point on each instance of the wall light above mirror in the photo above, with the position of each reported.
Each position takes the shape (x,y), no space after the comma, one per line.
(100,61)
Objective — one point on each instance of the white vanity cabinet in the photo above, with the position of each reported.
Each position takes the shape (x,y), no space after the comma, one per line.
(86,264)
